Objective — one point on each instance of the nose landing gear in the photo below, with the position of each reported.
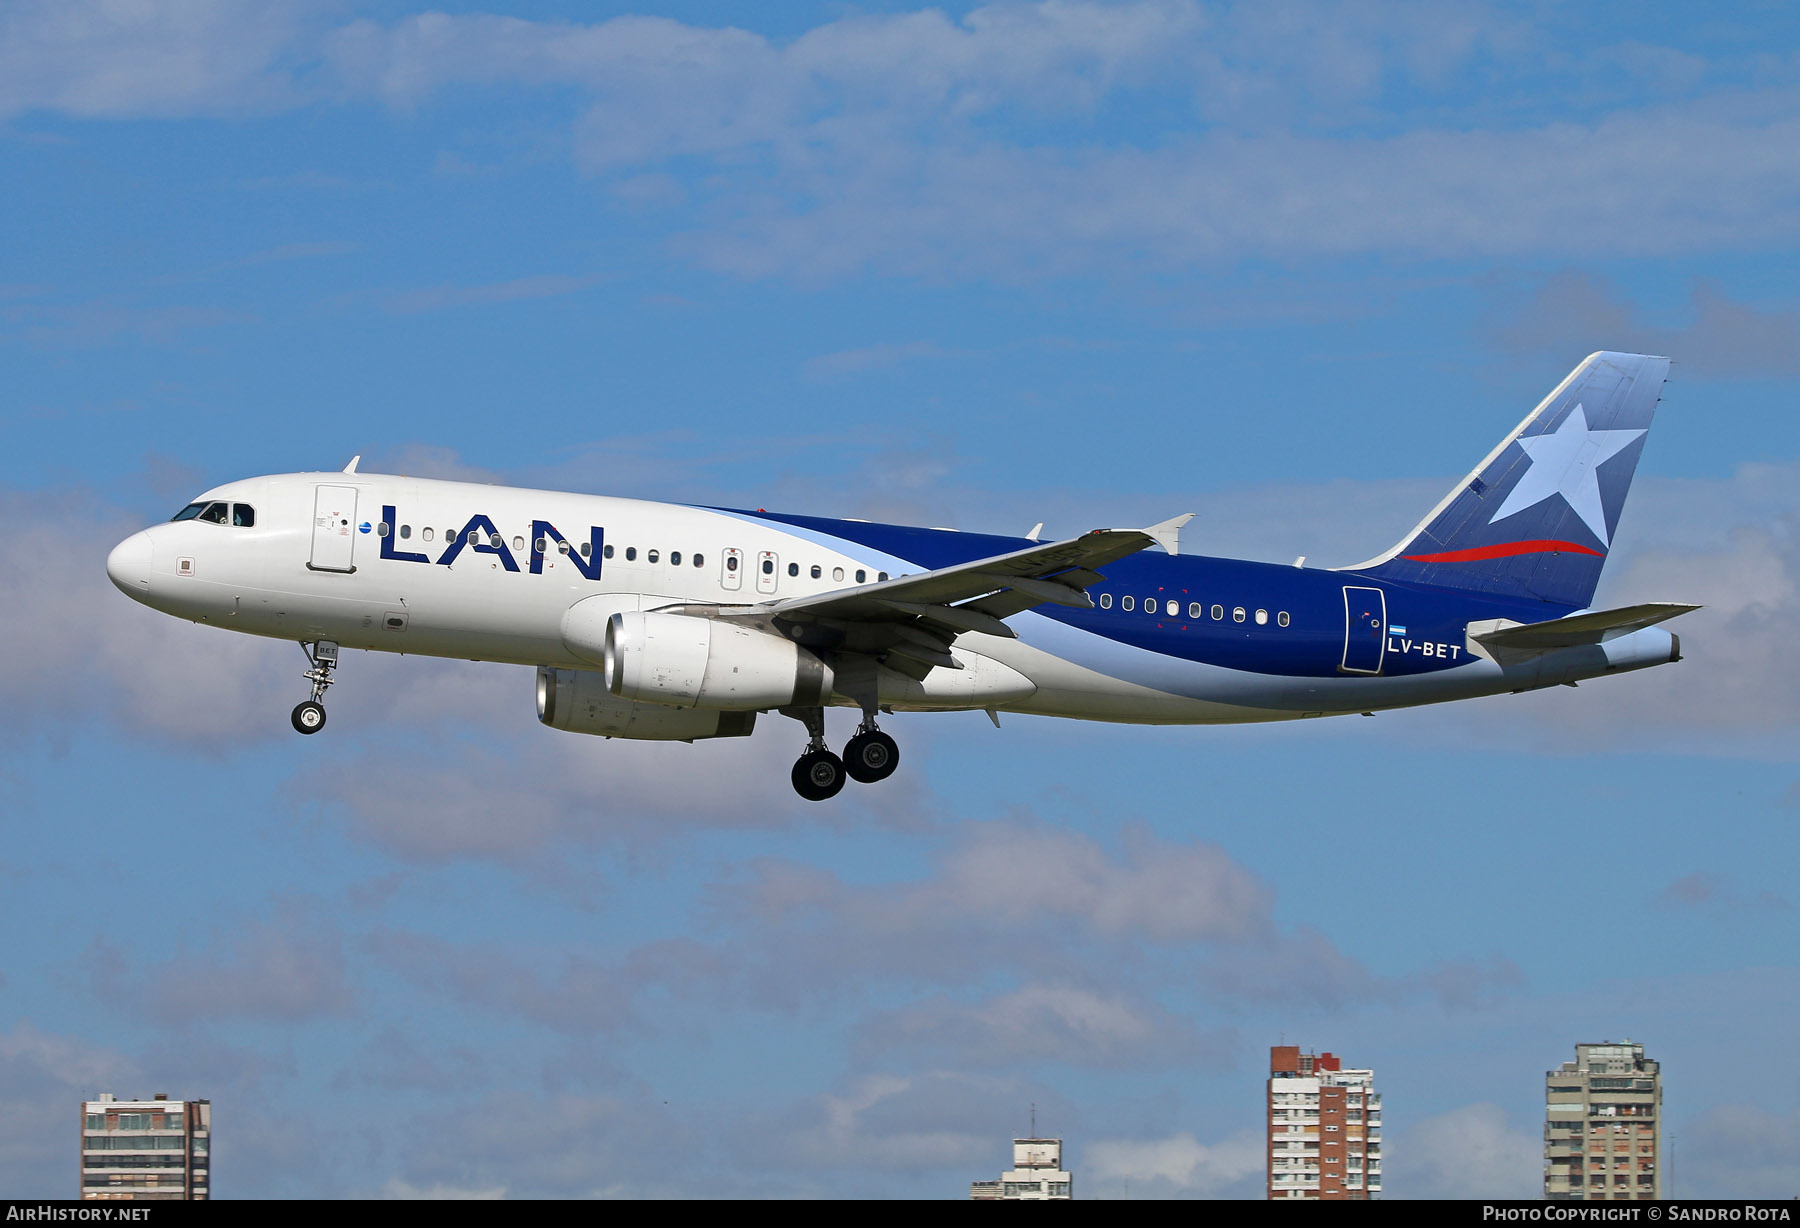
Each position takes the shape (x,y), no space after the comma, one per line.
(309,717)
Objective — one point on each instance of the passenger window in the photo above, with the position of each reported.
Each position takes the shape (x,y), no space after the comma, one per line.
(837,573)
(861,576)
(1174,608)
(564,547)
(381,530)
(587,550)
(817,571)
(1262,618)
(1282,618)
(882,576)
(699,560)
(731,562)
(631,554)
(768,567)
(1127,603)
(1218,613)
(539,545)
(426,534)
(450,536)
(496,541)
(1237,614)
(674,558)
(405,532)
(214,513)
(243,515)
(793,569)
(1106,601)
(518,542)
(1196,610)
(1149,605)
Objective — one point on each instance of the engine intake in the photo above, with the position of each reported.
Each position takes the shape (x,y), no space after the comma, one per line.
(695,662)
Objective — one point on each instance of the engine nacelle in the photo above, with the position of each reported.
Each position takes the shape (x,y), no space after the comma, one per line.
(577,700)
(709,663)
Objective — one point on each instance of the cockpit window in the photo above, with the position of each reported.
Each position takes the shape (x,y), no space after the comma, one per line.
(188,513)
(214,513)
(243,515)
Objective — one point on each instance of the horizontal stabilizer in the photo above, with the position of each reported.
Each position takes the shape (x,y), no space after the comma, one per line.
(1502,635)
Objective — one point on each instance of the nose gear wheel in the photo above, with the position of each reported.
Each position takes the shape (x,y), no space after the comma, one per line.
(309,717)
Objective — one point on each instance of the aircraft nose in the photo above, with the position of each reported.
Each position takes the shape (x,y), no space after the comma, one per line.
(128,565)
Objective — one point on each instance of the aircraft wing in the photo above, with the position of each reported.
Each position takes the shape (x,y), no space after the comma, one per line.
(1528,639)
(919,616)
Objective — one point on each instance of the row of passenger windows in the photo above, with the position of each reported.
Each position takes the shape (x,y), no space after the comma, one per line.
(1196,610)
(542,545)
(240,514)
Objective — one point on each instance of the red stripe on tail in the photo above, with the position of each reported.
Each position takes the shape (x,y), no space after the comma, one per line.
(1505,551)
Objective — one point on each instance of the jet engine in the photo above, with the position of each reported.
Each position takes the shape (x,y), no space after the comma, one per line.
(694,662)
(577,700)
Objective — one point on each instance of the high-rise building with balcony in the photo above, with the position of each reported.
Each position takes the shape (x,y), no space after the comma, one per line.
(1603,1124)
(1037,1174)
(146,1149)
(1324,1127)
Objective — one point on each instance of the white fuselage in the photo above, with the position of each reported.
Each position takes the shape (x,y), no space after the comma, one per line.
(322,562)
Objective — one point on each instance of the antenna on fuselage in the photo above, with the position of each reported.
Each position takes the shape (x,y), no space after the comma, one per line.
(354,461)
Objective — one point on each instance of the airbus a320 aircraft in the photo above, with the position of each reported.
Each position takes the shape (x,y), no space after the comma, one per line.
(662,621)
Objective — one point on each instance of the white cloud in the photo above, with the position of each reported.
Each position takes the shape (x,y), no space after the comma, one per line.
(1068,1024)
(887,1122)
(46,1077)
(1470,1152)
(400,1190)
(286,969)
(1722,338)
(1735,1151)
(1175,1167)
(95,654)
(128,58)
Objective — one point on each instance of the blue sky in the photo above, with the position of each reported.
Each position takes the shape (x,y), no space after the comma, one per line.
(1293,267)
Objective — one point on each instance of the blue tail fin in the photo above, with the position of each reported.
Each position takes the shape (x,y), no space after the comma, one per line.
(1536,518)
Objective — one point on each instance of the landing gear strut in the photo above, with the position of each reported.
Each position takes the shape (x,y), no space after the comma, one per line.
(309,717)
(871,755)
(818,774)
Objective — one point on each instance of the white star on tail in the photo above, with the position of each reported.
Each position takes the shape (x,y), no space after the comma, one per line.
(1567,463)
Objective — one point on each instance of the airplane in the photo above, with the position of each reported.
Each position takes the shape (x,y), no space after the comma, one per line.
(674,622)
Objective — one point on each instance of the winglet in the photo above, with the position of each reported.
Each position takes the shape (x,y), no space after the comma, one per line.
(1168,533)
(354,461)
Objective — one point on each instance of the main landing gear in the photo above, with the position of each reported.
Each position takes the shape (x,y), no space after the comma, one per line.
(309,717)
(869,756)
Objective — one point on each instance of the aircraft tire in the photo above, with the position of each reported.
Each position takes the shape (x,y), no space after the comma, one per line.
(309,717)
(818,775)
(871,756)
